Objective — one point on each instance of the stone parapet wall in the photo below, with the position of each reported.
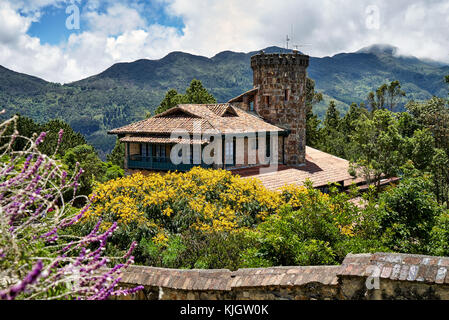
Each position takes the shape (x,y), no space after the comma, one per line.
(263,59)
(364,276)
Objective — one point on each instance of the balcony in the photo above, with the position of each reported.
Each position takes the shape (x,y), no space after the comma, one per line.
(160,163)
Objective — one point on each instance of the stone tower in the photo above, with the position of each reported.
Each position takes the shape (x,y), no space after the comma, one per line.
(281,79)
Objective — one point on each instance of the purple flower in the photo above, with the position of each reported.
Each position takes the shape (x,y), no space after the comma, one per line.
(29,279)
(41,138)
(61,132)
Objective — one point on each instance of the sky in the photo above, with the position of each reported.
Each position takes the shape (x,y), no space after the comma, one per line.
(68,40)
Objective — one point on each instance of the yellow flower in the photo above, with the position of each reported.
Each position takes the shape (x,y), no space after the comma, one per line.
(160,239)
(167,211)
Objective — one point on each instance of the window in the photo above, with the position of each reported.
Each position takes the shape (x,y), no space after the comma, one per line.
(286,95)
(251,106)
(157,153)
(229,152)
(254,143)
(267,101)
(268,146)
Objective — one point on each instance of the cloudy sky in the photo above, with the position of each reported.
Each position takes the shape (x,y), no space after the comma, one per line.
(67,40)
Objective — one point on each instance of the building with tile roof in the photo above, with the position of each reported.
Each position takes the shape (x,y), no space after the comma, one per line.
(260,133)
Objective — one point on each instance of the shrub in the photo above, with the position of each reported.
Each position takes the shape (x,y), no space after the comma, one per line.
(312,228)
(39,259)
(409,212)
(154,207)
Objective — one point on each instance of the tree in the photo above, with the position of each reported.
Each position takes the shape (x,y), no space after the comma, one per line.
(313,229)
(117,156)
(195,93)
(377,145)
(422,149)
(439,168)
(332,118)
(85,125)
(26,128)
(394,95)
(70,139)
(409,214)
(87,158)
(377,100)
(312,97)
(408,124)
(333,138)
(386,96)
(172,99)
(313,134)
(434,115)
(347,127)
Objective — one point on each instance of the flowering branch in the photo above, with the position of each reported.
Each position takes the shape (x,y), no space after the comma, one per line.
(36,259)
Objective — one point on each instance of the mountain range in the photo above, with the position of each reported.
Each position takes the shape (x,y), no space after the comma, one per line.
(125,92)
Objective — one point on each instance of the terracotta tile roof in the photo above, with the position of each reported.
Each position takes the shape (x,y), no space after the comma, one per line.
(247,93)
(165,125)
(215,118)
(162,140)
(321,168)
(397,266)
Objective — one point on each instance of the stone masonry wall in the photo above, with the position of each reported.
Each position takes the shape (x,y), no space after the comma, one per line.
(360,277)
(281,79)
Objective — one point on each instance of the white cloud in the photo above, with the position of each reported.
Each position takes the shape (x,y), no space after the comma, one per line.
(122,32)
(117,19)
(12,25)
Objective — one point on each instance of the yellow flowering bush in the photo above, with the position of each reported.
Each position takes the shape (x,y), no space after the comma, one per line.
(202,199)
(212,218)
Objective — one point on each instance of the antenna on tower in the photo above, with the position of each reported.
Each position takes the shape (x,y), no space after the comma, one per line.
(296,46)
(288,39)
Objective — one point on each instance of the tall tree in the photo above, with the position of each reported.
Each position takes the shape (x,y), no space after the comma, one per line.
(386,96)
(332,119)
(172,99)
(439,168)
(434,115)
(394,95)
(195,93)
(70,138)
(377,145)
(117,156)
(313,133)
(88,160)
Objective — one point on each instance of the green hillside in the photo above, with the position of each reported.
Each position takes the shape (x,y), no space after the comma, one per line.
(125,92)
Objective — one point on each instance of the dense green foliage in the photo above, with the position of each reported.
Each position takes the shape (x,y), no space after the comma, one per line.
(409,213)
(195,94)
(73,150)
(321,230)
(379,142)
